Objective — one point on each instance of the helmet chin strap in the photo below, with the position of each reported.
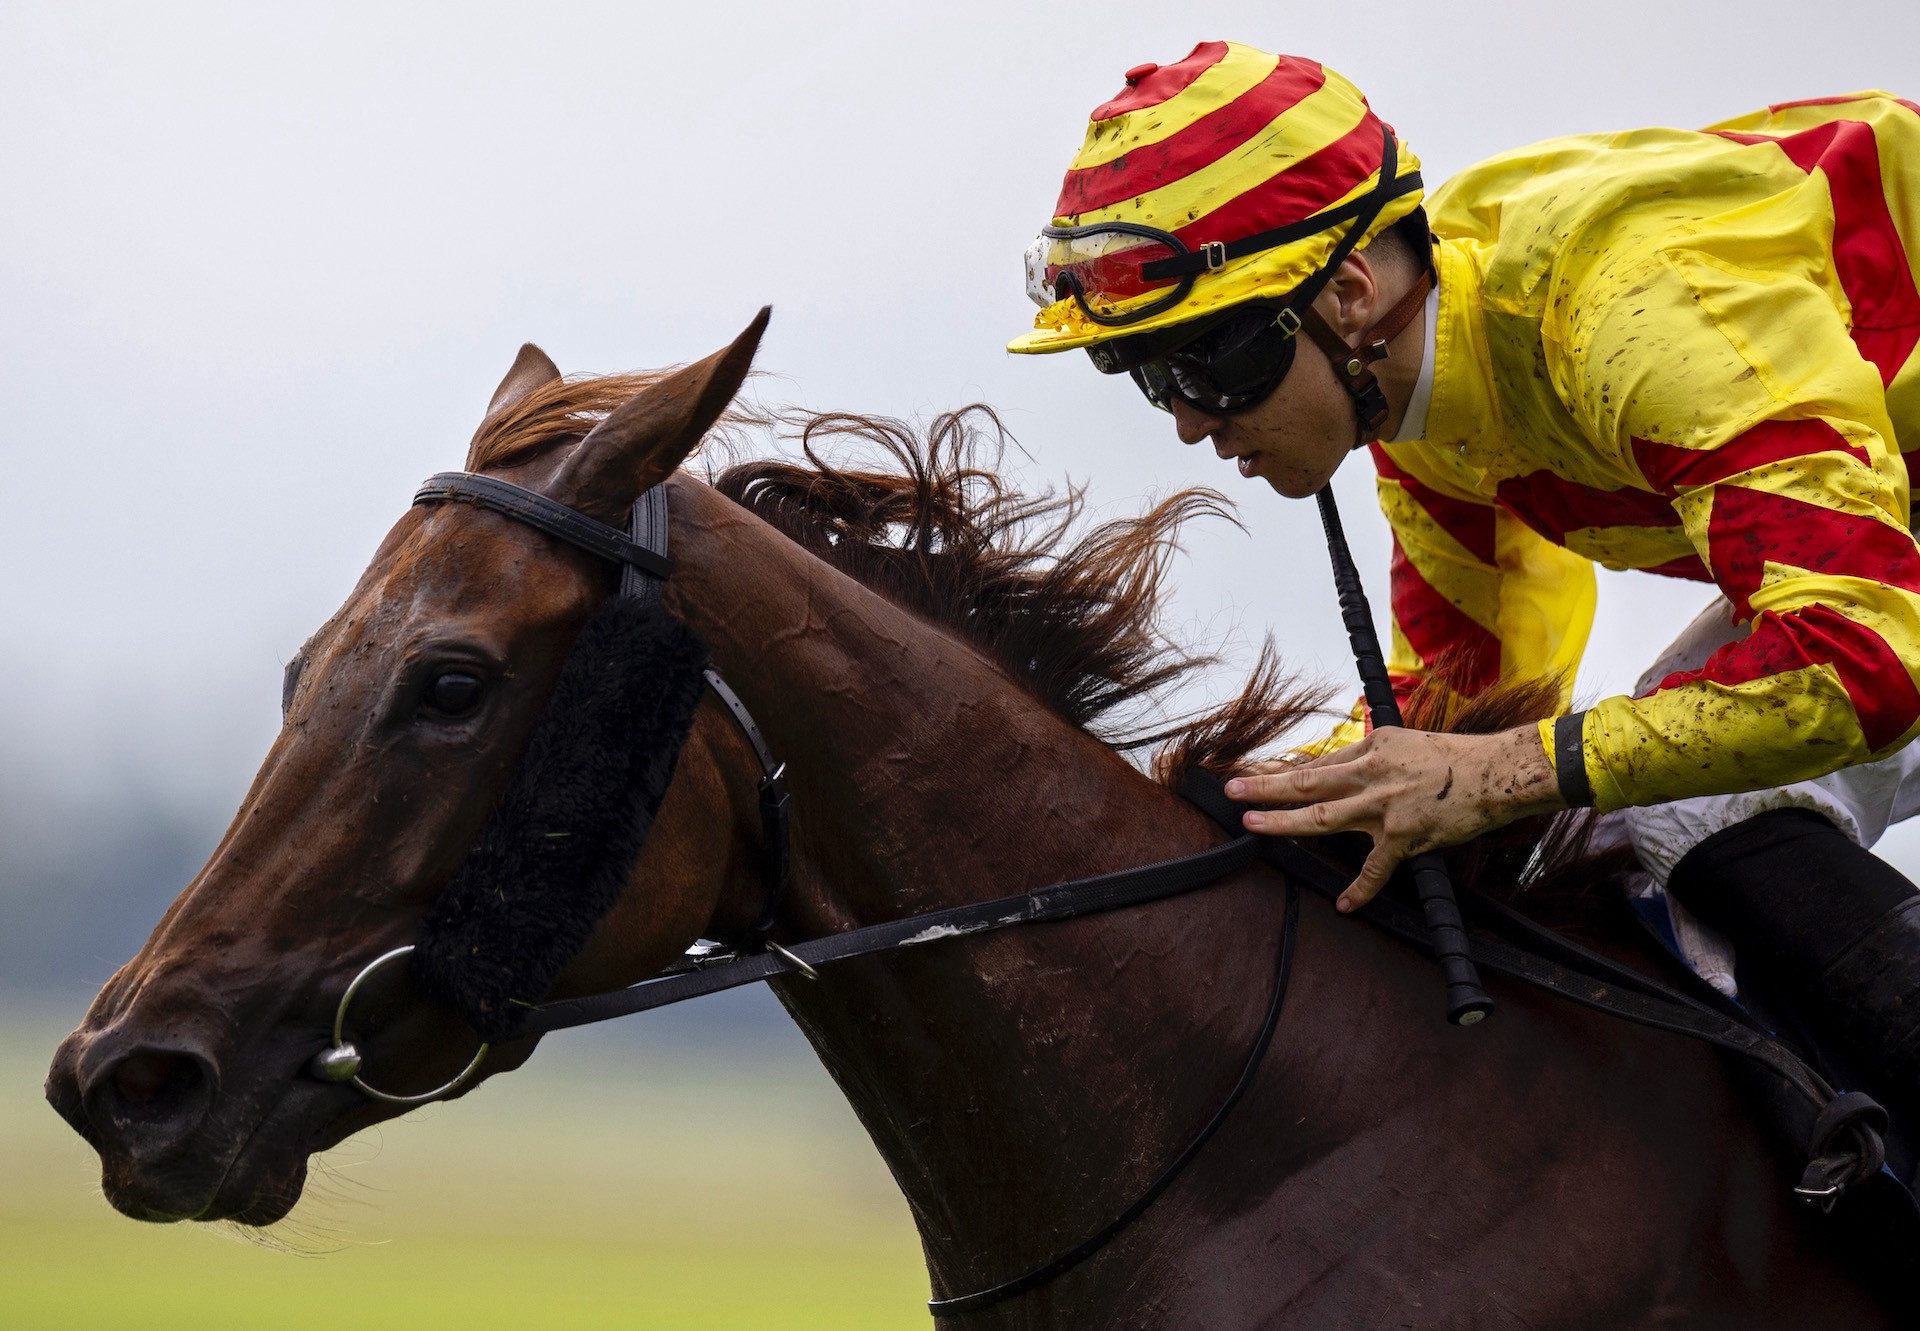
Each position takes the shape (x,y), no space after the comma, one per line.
(1354,364)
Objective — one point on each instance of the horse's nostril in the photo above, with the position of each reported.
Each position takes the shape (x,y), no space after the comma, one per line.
(155,1084)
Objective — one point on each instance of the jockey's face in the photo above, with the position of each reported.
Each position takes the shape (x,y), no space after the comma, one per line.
(1293,440)
(1296,438)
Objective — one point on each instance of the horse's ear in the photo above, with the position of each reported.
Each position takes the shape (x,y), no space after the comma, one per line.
(650,435)
(532,369)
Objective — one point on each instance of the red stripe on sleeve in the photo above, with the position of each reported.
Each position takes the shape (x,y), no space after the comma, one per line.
(1206,140)
(1468,523)
(1669,468)
(1164,82)
(1868,254)
(1876,682)
(1303,189)
(1750,527)
(1553,505)
(1867,251)
(1437,629)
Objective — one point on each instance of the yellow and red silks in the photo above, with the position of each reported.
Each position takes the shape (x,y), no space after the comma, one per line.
(1692,353)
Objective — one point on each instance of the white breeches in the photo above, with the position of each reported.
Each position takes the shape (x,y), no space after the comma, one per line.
(1861,800)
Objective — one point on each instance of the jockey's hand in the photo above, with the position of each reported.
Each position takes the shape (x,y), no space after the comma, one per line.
(1410,790)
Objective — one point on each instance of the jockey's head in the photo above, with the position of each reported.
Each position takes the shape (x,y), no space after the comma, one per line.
(1220,209)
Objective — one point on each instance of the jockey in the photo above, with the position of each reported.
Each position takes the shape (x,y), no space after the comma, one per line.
(1689,353)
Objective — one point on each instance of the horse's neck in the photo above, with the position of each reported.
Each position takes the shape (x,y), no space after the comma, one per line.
(915,763)
(1002,1077)
(1025,1085)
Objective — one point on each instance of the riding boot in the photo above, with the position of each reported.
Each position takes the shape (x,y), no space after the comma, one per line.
(1831,920)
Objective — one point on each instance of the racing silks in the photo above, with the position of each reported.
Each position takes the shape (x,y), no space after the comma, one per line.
(1692,353)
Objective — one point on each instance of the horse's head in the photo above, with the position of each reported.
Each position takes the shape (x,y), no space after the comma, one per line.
(406,716)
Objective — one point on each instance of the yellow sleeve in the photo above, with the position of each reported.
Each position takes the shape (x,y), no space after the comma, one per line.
(1746,402)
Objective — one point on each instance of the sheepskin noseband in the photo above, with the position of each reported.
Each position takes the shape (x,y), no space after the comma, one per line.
(559,849)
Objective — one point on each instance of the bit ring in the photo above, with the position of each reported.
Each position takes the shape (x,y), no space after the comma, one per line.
(341,1062)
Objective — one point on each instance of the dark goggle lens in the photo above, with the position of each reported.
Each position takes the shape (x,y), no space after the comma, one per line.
(1156,383)
(1238,379)
(1225,369)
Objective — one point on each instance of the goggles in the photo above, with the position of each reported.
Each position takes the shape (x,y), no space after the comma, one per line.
(1107,265)
(1232,363)
(1120,273)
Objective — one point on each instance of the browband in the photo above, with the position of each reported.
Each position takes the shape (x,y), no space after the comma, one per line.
(550,516)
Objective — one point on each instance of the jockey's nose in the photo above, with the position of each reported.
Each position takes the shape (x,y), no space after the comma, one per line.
(1192,424)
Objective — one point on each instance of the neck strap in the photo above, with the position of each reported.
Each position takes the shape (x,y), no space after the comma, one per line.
(1354,363)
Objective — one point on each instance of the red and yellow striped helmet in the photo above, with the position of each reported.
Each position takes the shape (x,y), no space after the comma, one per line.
(1234,175)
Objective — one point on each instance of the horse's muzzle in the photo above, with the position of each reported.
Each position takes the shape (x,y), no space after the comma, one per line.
(141,1099)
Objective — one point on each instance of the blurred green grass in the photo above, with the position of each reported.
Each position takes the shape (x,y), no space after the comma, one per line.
(631,1182)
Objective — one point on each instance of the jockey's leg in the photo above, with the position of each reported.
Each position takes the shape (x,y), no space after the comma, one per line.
(1833,920)
(1786,874)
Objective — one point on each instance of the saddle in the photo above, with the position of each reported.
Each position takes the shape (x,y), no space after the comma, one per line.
(1862,1177)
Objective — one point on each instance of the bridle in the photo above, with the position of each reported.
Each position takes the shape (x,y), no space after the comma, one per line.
(641,554)
(1844,1144)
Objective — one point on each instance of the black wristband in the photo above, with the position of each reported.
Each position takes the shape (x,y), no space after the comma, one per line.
(1570,760)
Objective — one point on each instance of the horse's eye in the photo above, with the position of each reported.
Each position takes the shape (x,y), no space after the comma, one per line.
(454,694)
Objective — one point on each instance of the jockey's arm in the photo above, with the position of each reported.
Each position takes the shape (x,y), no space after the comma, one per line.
(1745,400)
(1477,597)
(1748,404)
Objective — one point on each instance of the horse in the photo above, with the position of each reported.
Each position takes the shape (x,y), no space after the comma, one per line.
(941,661)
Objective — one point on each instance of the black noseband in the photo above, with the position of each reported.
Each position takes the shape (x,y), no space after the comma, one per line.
(561,845)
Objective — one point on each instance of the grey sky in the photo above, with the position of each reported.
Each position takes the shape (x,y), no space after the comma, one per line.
(260,267)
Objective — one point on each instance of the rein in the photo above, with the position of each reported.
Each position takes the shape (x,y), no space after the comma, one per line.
(1845,1144)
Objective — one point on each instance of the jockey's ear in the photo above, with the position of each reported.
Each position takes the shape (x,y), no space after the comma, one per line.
(650,435)
(1351,298)
(531,369)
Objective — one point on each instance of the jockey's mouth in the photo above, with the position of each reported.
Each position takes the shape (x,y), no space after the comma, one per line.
(1248,462)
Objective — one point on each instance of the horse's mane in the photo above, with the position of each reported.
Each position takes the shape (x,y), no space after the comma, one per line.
(927,519)
(1070,612)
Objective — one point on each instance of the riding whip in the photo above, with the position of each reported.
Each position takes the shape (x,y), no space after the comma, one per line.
(1467,1002)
